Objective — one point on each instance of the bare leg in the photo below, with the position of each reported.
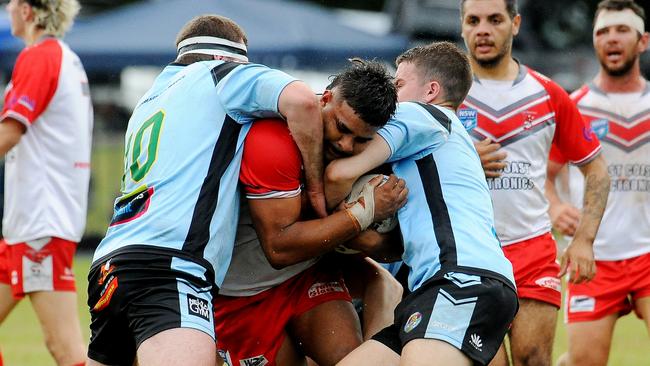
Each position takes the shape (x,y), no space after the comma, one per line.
(425,352)
(590,342)
(379,291)
(178,347)
(328,332)
(7,301)
(57,313)
(532,333)
(643,307)
(501,358)
(289,355)
(371,353)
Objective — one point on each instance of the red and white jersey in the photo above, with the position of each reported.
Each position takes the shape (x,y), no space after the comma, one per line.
(48,171)
(622,123)
(271,168)
(525,116)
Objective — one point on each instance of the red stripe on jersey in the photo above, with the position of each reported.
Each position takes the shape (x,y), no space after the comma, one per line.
(573,137)
(271,160)
(512,126)
(34,81)
(577,95)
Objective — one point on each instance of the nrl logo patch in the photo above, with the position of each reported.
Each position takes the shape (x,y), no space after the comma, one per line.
(412,322)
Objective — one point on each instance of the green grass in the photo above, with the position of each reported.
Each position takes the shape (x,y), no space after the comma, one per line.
(22,343)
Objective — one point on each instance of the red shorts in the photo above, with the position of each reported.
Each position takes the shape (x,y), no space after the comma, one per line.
(45,266)
(534,262)
(613,290)
(251,329)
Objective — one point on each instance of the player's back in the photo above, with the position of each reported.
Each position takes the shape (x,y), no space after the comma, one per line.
(448,222)
(178,173)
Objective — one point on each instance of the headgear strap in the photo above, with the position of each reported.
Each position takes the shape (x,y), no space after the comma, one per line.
(213,46)
(608,18)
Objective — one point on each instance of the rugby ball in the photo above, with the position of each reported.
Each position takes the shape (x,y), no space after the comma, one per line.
(381,227)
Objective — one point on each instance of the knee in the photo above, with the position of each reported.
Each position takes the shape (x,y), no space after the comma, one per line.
(533,355)
(591,356)
(65,352)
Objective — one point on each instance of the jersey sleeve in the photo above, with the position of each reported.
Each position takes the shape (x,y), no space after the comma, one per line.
(33,83)
(412,132)
(556,155)
(271,164)
(252,91)
(574,139)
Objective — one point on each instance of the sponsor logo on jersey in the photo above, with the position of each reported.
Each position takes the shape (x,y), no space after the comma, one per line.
(468,117)
(322,288)
(600,127)
(476,342)
(529,117)
(413,321)
(550,282)
(587,133)
(581,303)
(254,361)
(27,102)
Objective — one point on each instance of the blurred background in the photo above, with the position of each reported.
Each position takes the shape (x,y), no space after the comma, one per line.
(125,43)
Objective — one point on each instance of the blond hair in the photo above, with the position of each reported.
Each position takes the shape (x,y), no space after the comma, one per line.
(55,17)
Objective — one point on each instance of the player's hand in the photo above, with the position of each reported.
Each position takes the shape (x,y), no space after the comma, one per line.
(389,197)
(565,218)
(578,260)
(491,157)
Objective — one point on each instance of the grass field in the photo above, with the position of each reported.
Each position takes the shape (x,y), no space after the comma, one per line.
(22,343)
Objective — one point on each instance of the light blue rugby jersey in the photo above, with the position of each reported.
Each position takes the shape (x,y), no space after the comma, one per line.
(183,153)
(448,222)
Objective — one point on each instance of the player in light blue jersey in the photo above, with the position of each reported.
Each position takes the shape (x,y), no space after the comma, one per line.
(171,237)
(463,294)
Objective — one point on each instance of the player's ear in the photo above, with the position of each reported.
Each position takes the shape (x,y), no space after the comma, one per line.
(434,90)
(326,97)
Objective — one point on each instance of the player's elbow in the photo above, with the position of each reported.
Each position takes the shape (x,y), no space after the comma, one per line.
(276,254)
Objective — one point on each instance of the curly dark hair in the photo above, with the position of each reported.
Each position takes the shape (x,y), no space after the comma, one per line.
(511,8)
(368,88)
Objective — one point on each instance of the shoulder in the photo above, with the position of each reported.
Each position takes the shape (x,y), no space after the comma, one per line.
(579,94)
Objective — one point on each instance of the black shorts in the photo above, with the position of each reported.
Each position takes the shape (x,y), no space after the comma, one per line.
(134,296)
(470,312)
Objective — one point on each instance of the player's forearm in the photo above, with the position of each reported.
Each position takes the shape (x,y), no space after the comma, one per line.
(10,133)
(550,188)
(597,185)
(300,108)
(341,174)
(304,240)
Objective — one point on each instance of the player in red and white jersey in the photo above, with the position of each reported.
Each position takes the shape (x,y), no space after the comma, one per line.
(45,132)
(616,104)
(515,114)
(276,285)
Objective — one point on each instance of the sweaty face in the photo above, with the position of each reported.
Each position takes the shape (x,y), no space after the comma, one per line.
(409,83)
(344,132)
(488,31)
(618,48)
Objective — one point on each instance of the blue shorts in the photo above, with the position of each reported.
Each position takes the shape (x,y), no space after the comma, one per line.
(134,296)
(470,312)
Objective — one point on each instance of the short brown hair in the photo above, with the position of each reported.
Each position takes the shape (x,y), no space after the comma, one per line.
(619,5)
(445,63)
(209,25)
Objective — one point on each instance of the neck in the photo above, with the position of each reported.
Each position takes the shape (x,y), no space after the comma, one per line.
(506,69)
(32,35)
(632,82)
